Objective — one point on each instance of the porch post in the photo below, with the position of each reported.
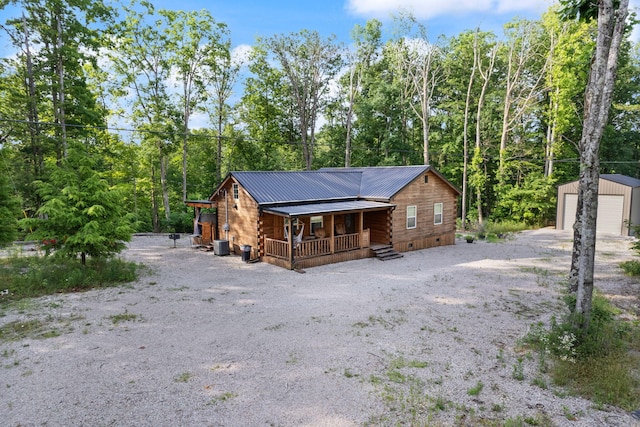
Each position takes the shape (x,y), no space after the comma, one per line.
(291,246)
(332,239)
(360,228)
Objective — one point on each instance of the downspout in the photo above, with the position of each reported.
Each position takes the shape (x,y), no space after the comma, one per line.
(225,226)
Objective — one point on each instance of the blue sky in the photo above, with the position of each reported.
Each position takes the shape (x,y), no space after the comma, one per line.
(250,18)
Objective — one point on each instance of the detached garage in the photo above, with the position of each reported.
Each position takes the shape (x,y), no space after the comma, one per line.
(618,204)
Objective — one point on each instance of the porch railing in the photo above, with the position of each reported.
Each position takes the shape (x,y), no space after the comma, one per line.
(315,247)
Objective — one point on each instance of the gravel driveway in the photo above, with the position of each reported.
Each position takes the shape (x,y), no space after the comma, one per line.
(203,340)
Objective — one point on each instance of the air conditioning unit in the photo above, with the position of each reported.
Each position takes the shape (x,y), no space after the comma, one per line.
(221,247)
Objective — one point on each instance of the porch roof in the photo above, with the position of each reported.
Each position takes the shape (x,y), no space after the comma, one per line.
(326,208)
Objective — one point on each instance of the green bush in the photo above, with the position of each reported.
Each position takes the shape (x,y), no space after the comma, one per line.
(631,268)
(34,276)
(596,363)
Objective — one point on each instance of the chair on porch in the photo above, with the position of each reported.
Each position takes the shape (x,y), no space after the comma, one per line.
(340,229)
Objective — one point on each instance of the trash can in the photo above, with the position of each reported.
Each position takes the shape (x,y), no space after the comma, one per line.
(246,252)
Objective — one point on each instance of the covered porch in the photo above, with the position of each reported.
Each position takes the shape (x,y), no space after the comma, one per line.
(322,233)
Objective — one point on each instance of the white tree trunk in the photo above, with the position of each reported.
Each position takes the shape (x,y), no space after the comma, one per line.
(598,97)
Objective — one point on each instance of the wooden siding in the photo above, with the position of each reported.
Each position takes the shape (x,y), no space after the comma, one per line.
(424,195)
(243,218)
(379,224)
(605,188)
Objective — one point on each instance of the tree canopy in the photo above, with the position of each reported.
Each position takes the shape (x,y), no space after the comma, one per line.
(164,107)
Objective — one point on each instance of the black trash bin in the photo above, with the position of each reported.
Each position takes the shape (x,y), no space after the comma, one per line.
(246,253)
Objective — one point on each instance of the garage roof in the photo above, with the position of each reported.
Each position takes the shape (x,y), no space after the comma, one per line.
(621,179)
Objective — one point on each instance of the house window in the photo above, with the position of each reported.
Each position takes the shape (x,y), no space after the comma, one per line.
(236,195)
(437,213)
(411,217)
(316,222)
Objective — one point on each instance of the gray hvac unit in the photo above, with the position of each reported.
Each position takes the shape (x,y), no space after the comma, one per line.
(221,247)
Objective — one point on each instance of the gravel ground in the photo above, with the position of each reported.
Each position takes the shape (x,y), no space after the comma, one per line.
(203,340)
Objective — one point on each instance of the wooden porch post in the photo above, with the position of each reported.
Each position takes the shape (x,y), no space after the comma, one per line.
(360,228)
(332,240)
(291,246)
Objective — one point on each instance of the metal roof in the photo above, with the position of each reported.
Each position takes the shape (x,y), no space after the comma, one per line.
(385,182)
(328,207)
(621,179)
(329,184)
(303,186)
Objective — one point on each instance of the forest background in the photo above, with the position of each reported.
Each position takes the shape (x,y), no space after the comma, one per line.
(97,95)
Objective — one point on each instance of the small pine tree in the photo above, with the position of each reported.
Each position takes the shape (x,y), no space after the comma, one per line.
(9,212)
(81,213)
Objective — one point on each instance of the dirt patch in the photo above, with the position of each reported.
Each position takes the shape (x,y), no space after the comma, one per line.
(208,340)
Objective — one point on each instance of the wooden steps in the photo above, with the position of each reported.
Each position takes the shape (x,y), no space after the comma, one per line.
(385,252)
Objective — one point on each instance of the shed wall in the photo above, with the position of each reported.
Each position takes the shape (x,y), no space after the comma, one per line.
(605,188)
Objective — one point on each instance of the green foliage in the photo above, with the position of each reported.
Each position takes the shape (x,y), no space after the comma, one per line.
(533,202)
(81,213)
(595,363)
(631,268)
(9,212)
(34,276)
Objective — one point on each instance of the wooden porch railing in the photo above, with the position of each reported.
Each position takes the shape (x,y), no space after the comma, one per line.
(276,248)
(316,247)
(346,242)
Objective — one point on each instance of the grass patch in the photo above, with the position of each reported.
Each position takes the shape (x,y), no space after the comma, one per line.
(598,364)
(183,377)
(49,327)
(34,276)
(631,268)
(475,390)
(123,317)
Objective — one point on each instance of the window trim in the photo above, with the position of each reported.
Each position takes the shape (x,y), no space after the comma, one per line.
(235,191)
(436,213)
(414,217)
(315,222)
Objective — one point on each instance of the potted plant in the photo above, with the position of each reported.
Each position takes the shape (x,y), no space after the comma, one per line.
(469,238)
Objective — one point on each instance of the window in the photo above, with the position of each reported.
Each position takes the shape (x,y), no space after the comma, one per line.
(411,217)
(316,222)
(437,213)
(235,192)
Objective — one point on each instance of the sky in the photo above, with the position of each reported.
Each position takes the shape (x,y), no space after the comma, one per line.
(248,19)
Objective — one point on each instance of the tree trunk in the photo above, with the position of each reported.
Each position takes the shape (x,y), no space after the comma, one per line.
(60,67)
(185,137)
(597,101)
(465,138)
(32,113)
(163,183)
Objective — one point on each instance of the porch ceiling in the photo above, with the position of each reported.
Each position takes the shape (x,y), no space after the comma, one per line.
(327,208)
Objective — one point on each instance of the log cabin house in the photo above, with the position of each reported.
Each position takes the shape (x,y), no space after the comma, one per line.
(310,218)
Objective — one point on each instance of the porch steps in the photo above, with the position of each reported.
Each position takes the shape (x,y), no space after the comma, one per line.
(385,252)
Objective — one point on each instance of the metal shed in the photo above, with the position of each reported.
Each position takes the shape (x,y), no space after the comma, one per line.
(618,204)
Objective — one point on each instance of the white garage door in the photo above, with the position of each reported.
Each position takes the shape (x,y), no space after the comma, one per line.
(609,213)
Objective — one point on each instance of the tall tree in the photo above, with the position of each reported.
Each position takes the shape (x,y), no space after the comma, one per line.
(142,64)
(611,17)
(309,63)
(192,39)
(220,76)
(367,41)
(420,67)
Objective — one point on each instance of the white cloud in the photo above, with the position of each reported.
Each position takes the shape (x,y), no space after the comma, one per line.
(426,9)
(240,54)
